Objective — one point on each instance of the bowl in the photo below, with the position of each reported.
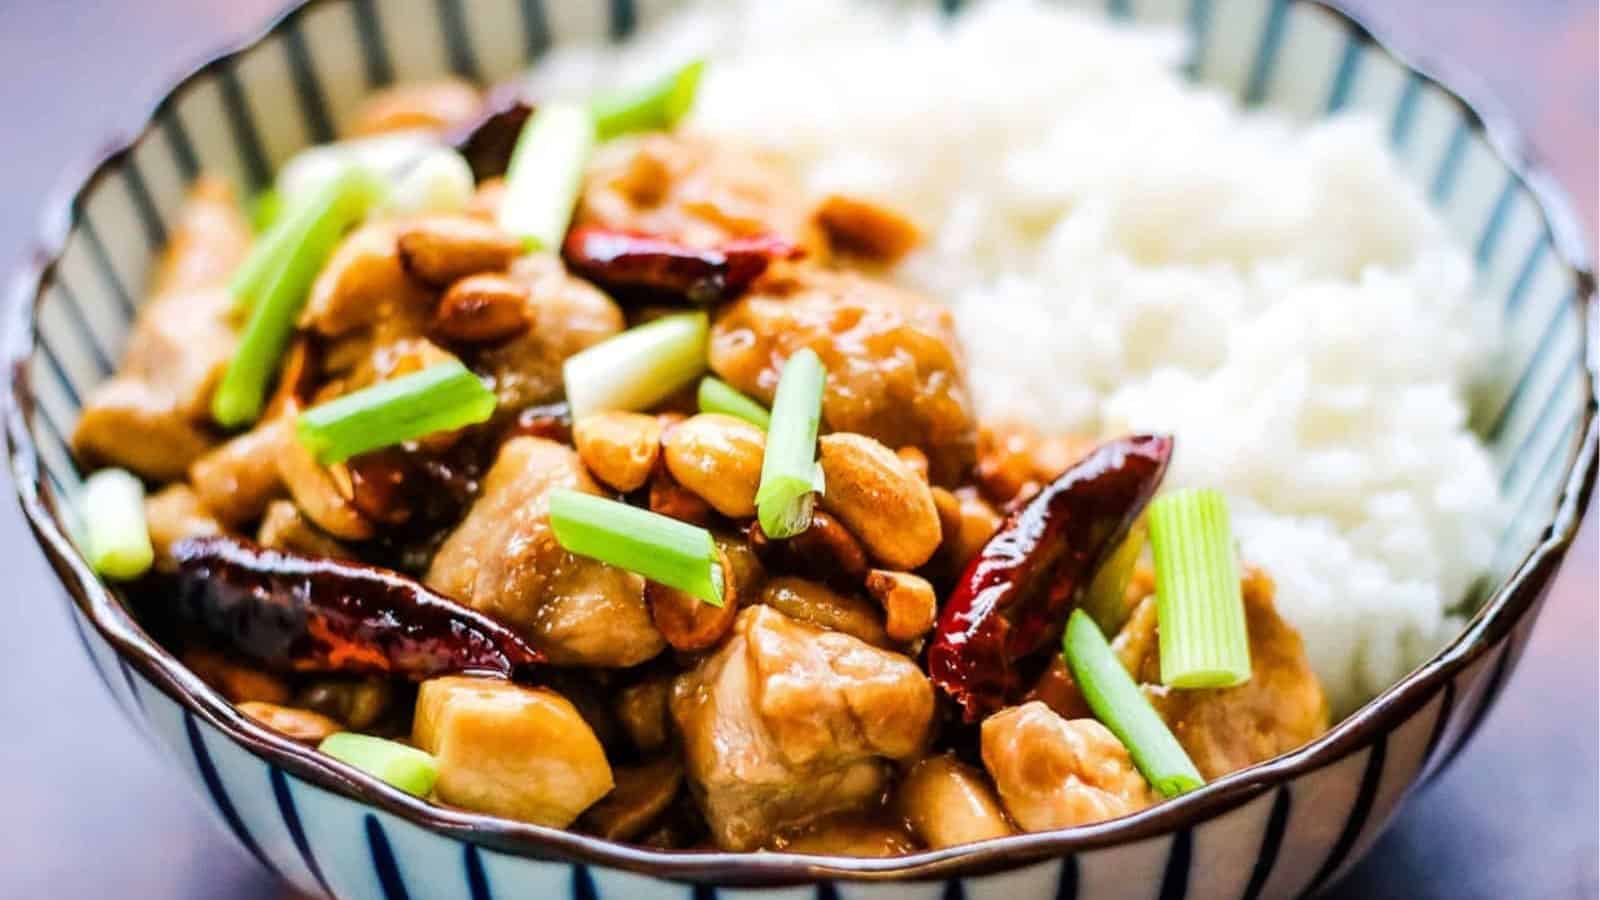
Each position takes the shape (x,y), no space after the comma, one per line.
(1283,828)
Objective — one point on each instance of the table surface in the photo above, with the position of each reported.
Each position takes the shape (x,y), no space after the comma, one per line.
(95,813)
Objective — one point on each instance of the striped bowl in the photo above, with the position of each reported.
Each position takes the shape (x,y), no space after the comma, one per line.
(1281,829)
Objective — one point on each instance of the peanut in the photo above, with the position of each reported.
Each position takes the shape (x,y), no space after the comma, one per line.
(866,228)
(301,725)
(441,249)
(687,622)
(880,499)
(675,501)
(826,550)
(360,283)
(239,683)
(482,308)
(820,605)
(908,603)
(719,458)
(318,494)
(619,448)
(431,105)
(916,459)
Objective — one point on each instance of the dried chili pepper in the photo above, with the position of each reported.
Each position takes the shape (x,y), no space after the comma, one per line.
(631,261)
(1014,596)
(488,139)
(310,614)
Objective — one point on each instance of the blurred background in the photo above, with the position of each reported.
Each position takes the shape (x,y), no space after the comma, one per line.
(92,811)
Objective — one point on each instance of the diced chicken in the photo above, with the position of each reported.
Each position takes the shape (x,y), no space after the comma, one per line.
(237,480)
(364,282)
(151,416)
(697,191)
(522,753)
(565,314)
(1280,708)
(503,560)
(947,802)
(787,723)
(172,514)
(894,364)
(1055,773)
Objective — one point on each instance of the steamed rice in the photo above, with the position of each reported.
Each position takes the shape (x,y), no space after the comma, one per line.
(1125,250)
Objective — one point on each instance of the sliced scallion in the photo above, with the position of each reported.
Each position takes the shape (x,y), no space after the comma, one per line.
(1204,640)
(407,768)
(639,367)
(1120,706)
(115,536)
(790,477)
(545,174)
(265,207)
(1106,599)
(291,255)
(717,396)
(653,107)
(662,549)
(442,397)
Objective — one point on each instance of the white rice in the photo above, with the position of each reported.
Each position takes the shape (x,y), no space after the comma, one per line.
(1124,250)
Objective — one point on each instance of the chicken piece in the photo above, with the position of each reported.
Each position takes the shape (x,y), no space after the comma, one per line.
(565,314)
(947,802)
(503,560)
(1015,459)
(849,834)
(894,365)
(697,191)
(1059,773)
(522,753)
(1280,708)
(284,527)
(787,723)
(150,417)
(172,514)
(237,480)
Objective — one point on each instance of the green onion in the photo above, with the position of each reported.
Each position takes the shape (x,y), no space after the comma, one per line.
(545,174)
(717,396)
(639,367)
(1118,703)
(115,536)
(275,279)
(442,397)
(662,549)
(790,476)
(407,768)
(1106,600)
(654,107)
(1204,641)
(265,207)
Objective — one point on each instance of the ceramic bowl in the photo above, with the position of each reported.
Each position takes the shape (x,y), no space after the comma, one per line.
(1280,829)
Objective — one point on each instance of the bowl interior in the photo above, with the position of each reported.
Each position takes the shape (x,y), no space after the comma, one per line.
(245,113)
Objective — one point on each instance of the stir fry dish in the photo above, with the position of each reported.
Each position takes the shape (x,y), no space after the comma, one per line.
(555,462)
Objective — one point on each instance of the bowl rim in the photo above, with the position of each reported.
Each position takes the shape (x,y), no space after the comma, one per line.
(1500,614)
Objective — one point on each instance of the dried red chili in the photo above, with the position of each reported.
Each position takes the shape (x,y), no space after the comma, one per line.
(311,614)
(1013,598)
(642,262)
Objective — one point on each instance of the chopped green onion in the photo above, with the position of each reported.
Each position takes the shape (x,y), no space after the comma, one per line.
(790,476)
(545,174)
(276,288)
(1204,640)
(639,367)
(1106,600)
(655,107)
(402,766)
(344,197)
(717,396)
(265,207)
(1118,703)
(442,397)
(662,549)
(115,536)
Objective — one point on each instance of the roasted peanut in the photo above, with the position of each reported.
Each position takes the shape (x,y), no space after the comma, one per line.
(948,802)
(908,603)
(318,495)
(363,282)
(675,501)
(359,704)
(172,514)
(825,550)
(719,458)
(619,448)
(482,308)
(301,725)
(440,249)
(687,622)
(642,710)
(880,499)
(1014,459)
(642,794)
(916,459)
(238,682)
(865,228)
(237,480)
(284,528)
(975,523)
(820,605)
(424,105)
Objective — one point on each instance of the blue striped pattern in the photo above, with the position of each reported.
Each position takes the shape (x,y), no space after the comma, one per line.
(1535,431)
